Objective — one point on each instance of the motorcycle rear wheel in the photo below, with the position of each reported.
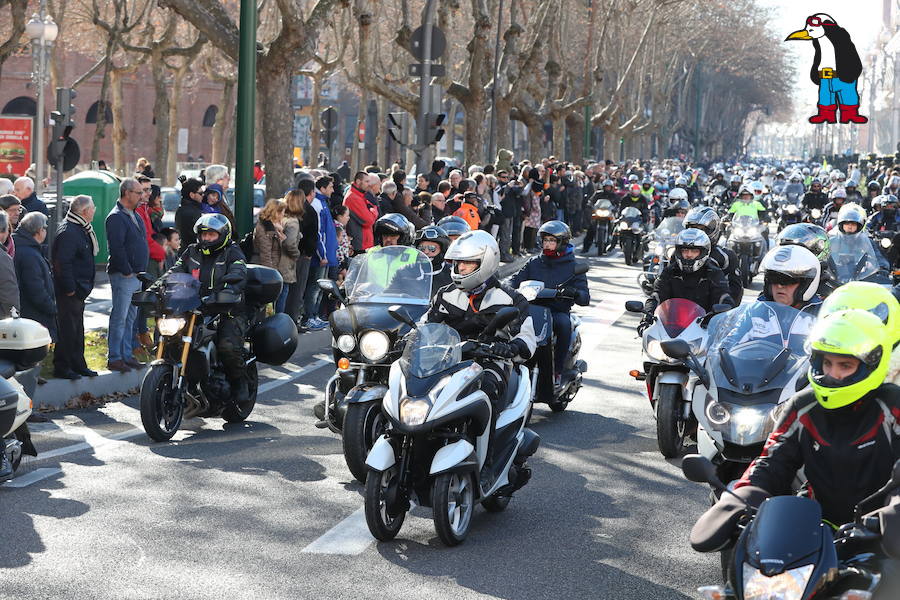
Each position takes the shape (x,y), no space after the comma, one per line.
(161,412)
(237,413)
(454,502)
(363,424)
(670,429)
(381,525)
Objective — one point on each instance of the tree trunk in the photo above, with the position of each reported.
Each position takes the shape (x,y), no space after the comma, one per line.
(274,87)
(161,111)
(575,124)
(101,106)
(474,129)
(223,117)
(535,141)
(504,126)
(358,151)
(315,139)
(559,138)
(381,157)
(120,135)
(177,93)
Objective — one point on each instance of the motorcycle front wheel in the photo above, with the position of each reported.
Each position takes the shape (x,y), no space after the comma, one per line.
(746,271)
(382,526)
(161,406)
(453,499)
(670,427)
(235,413)
(626,249)
(363,424)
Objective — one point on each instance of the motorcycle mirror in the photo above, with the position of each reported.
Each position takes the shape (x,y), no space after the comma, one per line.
(331,287)
(399,314)
(503,318)
(581,269)
(699,469)
(720,308)
(635,306)
(676,348)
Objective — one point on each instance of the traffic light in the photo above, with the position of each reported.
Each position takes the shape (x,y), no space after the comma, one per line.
(64,105)
(395,126)
(433,130)
(329,125)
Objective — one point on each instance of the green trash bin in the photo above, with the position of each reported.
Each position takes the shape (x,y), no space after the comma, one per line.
(103,187)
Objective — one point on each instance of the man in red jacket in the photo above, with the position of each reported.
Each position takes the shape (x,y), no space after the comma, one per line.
(157,256)
(363,214)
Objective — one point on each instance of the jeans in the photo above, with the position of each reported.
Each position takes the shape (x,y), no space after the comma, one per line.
(313,293)
(282,297)
(834,91)
(121,318)
(562,327)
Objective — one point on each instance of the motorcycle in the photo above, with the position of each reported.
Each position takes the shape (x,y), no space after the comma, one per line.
(434,452)
(745,237)
(755,361)
(788,213)
(854,258)
(365,342)
(601,220)
(786,550)
(667,378)
(541,364)
(187,379)
(888,242)
(23,345)
(660,246)
(630,229)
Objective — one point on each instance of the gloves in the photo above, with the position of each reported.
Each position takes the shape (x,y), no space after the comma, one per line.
(568,291)
(504,350)
(646,322)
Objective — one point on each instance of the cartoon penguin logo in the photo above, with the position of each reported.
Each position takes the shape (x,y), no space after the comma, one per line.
(835,69)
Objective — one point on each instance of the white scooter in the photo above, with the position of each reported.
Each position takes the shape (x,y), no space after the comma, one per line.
(23,344)
(435,450)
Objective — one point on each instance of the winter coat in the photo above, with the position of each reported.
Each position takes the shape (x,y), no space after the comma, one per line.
(126,240)
(309,229)
(290,249)
(554,272)
(399,206)
(73,261)
(35,283)
(9,286)
(328,243)
(185,217)
(362,218)
(157,252)
(706,287)
(267,245)
(34,204)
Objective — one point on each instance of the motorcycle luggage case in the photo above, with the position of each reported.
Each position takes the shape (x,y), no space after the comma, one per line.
(274,339)
(9,402)
(23,342)
(263,285)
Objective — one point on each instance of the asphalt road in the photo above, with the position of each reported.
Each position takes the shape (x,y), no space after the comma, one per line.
(267,509)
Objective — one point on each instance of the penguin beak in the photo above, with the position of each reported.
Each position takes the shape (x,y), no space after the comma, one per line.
(799,35)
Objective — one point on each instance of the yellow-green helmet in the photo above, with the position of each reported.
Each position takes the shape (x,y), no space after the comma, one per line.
(857,333)
(869,296)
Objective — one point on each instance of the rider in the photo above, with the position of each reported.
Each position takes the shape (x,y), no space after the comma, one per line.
(815,198)
(432,241)
(470,303)
(212,259)
(816,240)
(454,226)
(853,194)
(598,200)
(690,275)
(706,219)
(888,218)
(838,199)
(791,277)
(746,205)
(873,190)
(555,267)
(794,189)
(636,199)
(393,229)
(678,204)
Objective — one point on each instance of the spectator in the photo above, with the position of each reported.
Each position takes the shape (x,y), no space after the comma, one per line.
(344,171)
(469,210)
(24,191)
(189,211)
(455,178)
(398,176)
(155,208)
(213,202)
(436,174)
(6,186)
(363,214)
(386,198)
(172,246)
(143,167)
(13,209)
(294,204)
(328,236)
(33,272)
(74,250)
(9,287)
(421,183)
(325,244)
(341,215)
(157,252)
(403,205)
(128,255)
(532,218)
(258,172)
(268,237)
(507,197)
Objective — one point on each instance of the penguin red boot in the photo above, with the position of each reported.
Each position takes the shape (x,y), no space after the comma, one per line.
(827,114)
(850,114)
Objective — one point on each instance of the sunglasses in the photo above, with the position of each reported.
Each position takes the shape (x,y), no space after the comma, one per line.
(817,22)
(781,278)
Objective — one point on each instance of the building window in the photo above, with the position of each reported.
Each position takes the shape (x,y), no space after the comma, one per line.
(92,113)
(23,105)
(209,117)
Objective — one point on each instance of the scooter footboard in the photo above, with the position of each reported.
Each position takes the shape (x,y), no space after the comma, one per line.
(458,456)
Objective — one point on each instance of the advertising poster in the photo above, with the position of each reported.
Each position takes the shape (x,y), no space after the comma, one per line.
(15,145)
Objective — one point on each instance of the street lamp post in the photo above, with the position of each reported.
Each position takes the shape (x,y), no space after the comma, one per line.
(42,32)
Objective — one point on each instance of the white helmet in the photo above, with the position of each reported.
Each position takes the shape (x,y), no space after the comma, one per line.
(791,264)
(694,239)
(676,195)
(478,246)
(851,213)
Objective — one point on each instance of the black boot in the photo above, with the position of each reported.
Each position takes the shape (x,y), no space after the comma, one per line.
(6,470)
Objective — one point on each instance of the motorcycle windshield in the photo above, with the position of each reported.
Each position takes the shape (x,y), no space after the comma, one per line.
(603,204)
(391,275)
(431,348)
(631,212)
(670,227)
(853,257)
(758,347)
(786,533)
(745,226)
(181,293)
(676,314)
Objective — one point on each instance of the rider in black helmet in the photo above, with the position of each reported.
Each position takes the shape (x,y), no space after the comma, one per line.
(433,241)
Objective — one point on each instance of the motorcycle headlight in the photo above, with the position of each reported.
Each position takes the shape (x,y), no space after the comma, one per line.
(374,345)
(815,213)
(748,423)
(792,209)
(886,242)
(654,350)
(738,231)
(789,585)
(659,249)
(413,411)
(170,325)
(346,343)
(623,226)
(717,413)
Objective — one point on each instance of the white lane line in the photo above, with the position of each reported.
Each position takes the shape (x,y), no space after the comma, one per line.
(33,477)
(94,440)
(350,536)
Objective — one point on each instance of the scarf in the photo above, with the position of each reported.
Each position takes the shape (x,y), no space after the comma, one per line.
(79,220)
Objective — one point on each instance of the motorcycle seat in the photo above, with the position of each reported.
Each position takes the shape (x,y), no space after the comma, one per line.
(7,369)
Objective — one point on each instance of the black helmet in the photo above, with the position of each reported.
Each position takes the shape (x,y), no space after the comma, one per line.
(557,229)
(216,223)
(873,185)
(436,234)
(454,225)
(706,219)
(395,224)
(812,237)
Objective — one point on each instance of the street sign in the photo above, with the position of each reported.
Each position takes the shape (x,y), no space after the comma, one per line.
(438,43)
(361,133)
(329,118)
(415,70)
(71,153)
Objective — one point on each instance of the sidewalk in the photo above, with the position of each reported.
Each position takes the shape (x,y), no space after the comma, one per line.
(56,393)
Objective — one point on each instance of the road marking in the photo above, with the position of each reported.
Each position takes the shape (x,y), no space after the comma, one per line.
(33,477)
(350,536)
(291,376)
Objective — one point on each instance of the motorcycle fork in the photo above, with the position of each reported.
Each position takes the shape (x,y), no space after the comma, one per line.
(398,493)
(185,349)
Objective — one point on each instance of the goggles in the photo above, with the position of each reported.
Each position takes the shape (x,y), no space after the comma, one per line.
(817,22)
(778,278)
(427,234)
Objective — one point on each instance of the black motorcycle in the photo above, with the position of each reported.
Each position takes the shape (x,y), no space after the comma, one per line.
(366,340)
(785,550)
(186,379)
(630,231)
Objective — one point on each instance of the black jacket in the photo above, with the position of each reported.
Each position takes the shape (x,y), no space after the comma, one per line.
(73,261)
(309,228)
(727,260)
(34,204)
(813,200)
(35,283)
(705,287)
(211,269)
(847,454)
(185,218)
(639,203)
(555,272)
